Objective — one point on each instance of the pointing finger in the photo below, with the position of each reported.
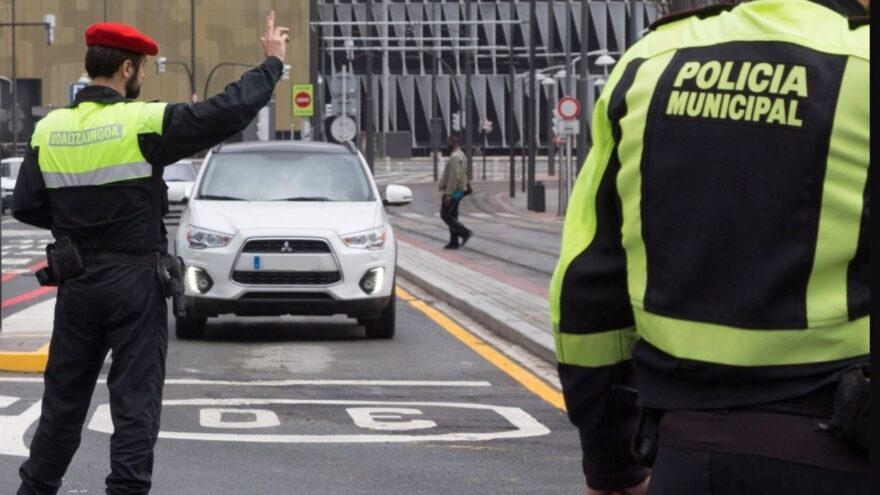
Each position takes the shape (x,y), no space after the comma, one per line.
(270,23)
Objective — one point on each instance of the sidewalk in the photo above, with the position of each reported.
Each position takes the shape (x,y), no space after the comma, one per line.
(495,297)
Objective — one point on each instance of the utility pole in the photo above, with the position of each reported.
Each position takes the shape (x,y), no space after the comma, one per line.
(584,87)
(532,124)
(436,131)
(370,111)
(468,124)
(551,48)
(511,106)
(192,47)
(14,90)
(314,53)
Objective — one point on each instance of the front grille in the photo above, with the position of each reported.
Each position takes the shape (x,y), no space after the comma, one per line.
(292,296)
(286,278)
(287,246)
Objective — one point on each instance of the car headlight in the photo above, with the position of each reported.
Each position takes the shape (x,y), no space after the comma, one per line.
(199,238)
(368,239)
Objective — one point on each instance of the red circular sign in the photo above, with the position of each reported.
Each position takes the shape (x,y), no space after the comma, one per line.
(303,99)
(568,108)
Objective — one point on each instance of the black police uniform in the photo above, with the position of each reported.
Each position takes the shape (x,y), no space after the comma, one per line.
(117,303)
(715,257)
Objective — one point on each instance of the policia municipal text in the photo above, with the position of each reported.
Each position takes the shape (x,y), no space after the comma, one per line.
(93,175)
(711,301)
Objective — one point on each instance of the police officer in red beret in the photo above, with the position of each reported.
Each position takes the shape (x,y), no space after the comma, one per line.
(93,175)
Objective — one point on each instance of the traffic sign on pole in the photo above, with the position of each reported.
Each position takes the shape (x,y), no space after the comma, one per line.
(303,101)
(568,108)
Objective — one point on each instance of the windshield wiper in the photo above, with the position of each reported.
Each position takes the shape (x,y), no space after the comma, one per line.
(304,198)
(220,198)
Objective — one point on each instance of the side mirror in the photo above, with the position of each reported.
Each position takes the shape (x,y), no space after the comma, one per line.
(397,196)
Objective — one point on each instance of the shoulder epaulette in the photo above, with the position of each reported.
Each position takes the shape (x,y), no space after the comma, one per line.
(857,22)
(701,13)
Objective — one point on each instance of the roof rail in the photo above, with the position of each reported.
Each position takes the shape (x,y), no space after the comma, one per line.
(351,147)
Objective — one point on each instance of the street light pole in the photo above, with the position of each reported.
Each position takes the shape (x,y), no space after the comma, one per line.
(551,47)
(192,46)
(584,85)
(468,121)
(532,120)
(14,89)
(436,131)
(369,97)
(510,109)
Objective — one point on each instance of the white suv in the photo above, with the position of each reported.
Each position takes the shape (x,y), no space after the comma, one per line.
(286,227)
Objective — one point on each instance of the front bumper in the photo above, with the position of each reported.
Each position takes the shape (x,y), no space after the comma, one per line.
(265,292)
(265,305)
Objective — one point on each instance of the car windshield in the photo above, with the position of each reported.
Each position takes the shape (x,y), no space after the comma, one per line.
(179,172)
(285,176)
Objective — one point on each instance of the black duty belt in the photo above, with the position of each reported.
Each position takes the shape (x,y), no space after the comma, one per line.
(95,256)
(793,438)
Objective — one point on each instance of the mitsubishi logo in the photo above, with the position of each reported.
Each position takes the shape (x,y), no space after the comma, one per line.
(286,247)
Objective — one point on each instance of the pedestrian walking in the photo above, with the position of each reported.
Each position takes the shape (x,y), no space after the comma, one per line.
(455,187)
(711,301)
(92,174)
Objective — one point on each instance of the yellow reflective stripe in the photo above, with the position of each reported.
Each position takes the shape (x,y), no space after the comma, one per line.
(115,173)
(746,347)
(767,20)
(842,199)
(151,118)
(629,180)
(592,350)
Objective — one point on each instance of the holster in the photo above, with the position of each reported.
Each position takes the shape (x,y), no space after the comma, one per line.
(851,417)
(170,274)
(644,441)
(65,261)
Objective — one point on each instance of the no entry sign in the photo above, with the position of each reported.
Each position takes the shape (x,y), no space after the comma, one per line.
(568,108)
(303,101)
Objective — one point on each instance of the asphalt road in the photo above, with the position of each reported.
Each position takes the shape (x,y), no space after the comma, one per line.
(308,406)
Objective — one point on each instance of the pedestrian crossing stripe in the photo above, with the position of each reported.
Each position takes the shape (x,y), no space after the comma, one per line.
(480,215)
(16,261)
(507,215)
(412,215)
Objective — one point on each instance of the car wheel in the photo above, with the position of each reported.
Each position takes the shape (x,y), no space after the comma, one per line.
(383,326)
(189,328)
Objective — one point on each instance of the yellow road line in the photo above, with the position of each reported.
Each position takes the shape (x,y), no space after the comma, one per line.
(25,362)
(502,362)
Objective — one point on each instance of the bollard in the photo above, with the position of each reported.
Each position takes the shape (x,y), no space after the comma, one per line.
(539,197)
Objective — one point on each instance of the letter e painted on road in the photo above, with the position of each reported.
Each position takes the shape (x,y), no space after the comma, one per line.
(371,418)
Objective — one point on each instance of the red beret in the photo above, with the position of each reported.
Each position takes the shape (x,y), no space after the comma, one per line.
(120,36)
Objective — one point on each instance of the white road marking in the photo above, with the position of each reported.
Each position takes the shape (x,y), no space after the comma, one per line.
(33,319)
(412,215)
(480,215)
(15,270)
(16,261)
(524,424)
(260,418)
(285,383)
(507,215)
(13,428)
(367,418)
(33,252)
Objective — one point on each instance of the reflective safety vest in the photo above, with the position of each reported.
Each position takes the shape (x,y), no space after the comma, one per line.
(103,193)
(93,144)
(718,232)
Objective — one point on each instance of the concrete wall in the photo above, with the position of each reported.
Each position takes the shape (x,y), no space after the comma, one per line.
(226,31)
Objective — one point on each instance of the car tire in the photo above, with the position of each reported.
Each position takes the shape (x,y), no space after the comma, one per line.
(383,326)
(189,328)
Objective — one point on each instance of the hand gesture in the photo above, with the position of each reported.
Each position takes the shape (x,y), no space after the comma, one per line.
(275,39)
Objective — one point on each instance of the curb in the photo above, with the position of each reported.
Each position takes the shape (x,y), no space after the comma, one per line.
(517,331)
(25,362)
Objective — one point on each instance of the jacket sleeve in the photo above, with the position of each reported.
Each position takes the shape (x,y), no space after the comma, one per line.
(187,129)
(591,312)
(30,199)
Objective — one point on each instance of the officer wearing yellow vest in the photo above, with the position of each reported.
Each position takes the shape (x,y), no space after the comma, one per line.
(711,301)
(93,175)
